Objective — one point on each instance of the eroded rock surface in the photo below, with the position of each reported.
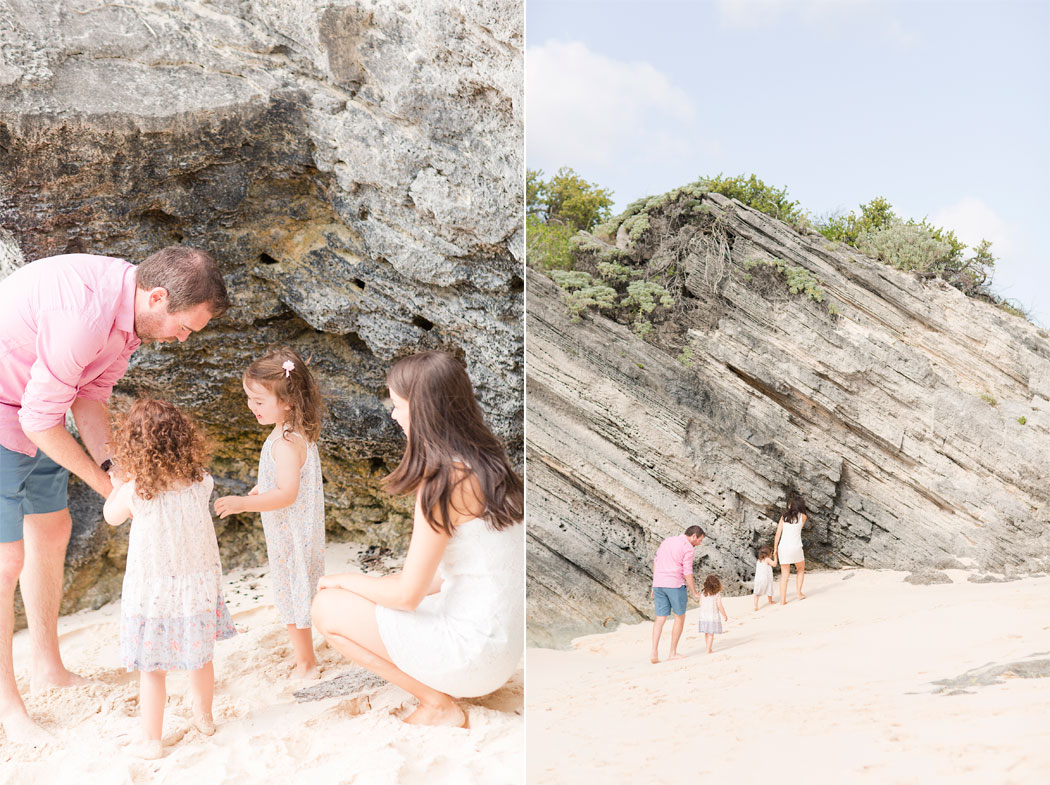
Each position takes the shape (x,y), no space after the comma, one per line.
(356,169)
(916,422)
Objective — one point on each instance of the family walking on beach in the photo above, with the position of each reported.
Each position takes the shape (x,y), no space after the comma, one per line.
(448,625)
(673,577)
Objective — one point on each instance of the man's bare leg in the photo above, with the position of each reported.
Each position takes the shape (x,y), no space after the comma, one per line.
(658,628)
(46,538)
(18,727)
(676,634)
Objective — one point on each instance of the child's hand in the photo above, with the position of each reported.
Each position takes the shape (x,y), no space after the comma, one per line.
(329,582)
(229,505)
(254,491)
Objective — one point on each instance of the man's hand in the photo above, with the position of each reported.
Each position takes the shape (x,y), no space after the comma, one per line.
(229,505)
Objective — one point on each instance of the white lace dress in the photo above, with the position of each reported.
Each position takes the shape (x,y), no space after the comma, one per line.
(467,639)
(294,536)
(171,607)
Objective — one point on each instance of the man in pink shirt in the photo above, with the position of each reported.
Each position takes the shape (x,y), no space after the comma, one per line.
(672,572)
(68,325)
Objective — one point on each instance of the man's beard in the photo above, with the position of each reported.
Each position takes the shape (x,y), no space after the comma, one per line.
(148,325)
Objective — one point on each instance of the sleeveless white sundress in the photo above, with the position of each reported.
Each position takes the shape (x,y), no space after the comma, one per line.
(789,551)
(294,536)
(763,579)
(710,618)
(467,639)
(171,607)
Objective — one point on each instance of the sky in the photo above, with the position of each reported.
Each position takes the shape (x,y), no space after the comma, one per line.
(940,106)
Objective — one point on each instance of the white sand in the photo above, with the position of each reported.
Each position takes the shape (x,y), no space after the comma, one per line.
(836,688)
(264,735)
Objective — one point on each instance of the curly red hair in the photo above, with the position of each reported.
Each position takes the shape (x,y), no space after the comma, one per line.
(159,447)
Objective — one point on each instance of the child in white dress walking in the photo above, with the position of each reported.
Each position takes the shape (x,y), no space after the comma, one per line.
(171,608)
(282,392)
(764,575)
(710,607)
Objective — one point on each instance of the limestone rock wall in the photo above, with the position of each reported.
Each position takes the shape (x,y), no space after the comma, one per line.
(899,421)
(356,169)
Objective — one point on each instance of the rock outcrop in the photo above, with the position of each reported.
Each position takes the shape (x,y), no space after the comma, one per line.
(913,420)
(356,169)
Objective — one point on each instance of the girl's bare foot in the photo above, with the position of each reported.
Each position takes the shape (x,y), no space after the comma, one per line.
(147,749)
(801,596)
(304,670)
(204,723)
(20,729)
(654,658)
(449,714)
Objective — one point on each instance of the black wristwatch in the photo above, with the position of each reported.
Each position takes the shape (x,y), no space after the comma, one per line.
(106,465)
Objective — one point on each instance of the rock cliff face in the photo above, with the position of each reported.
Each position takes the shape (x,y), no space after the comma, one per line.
(914,421)
(356,169)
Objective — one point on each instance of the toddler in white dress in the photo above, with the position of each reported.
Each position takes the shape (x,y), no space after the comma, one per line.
(281,392)
(710,607)
(171,607)
(764,575)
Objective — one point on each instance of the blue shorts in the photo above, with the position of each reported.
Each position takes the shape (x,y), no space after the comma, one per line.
(670,601)
(28,486)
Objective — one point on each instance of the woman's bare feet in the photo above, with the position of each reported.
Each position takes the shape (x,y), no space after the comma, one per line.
(20,729)
(449,714)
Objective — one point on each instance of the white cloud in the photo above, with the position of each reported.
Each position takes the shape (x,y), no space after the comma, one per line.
(585,109)
(973,220)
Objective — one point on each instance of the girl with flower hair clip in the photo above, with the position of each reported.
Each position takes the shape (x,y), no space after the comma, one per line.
(282,392)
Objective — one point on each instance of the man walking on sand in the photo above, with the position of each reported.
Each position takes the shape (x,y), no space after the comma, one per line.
(672,572)
(68,325)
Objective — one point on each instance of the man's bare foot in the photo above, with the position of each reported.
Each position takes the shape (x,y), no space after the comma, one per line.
(42,682)
(305,670)
(20,729)
(449,714)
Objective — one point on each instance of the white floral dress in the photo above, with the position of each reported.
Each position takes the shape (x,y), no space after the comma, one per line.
(171,607)
(294,535)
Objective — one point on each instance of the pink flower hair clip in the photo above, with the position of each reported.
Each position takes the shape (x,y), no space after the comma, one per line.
(288,366)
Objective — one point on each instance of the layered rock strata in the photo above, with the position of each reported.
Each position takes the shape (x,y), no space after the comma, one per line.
(914,421)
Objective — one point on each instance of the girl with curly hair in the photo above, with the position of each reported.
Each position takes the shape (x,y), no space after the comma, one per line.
(171,608)
(710,608)
(450,622)
(282,392)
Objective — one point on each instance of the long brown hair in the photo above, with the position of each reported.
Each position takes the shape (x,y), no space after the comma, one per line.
(796,507)
(159,447)
(712,585)
(446,424)
(293,385)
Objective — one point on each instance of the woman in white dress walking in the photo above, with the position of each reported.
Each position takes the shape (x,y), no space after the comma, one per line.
(450,623)
(788,546)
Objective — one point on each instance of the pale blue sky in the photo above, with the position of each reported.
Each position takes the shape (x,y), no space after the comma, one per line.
(941,107)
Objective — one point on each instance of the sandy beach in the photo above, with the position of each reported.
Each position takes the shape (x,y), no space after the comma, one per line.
(838,688)
(264,733)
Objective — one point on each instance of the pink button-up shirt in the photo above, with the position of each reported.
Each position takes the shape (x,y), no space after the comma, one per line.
(673,561)
(67,329)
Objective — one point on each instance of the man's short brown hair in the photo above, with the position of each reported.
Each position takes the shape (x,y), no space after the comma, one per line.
(694,531)
(190,276)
